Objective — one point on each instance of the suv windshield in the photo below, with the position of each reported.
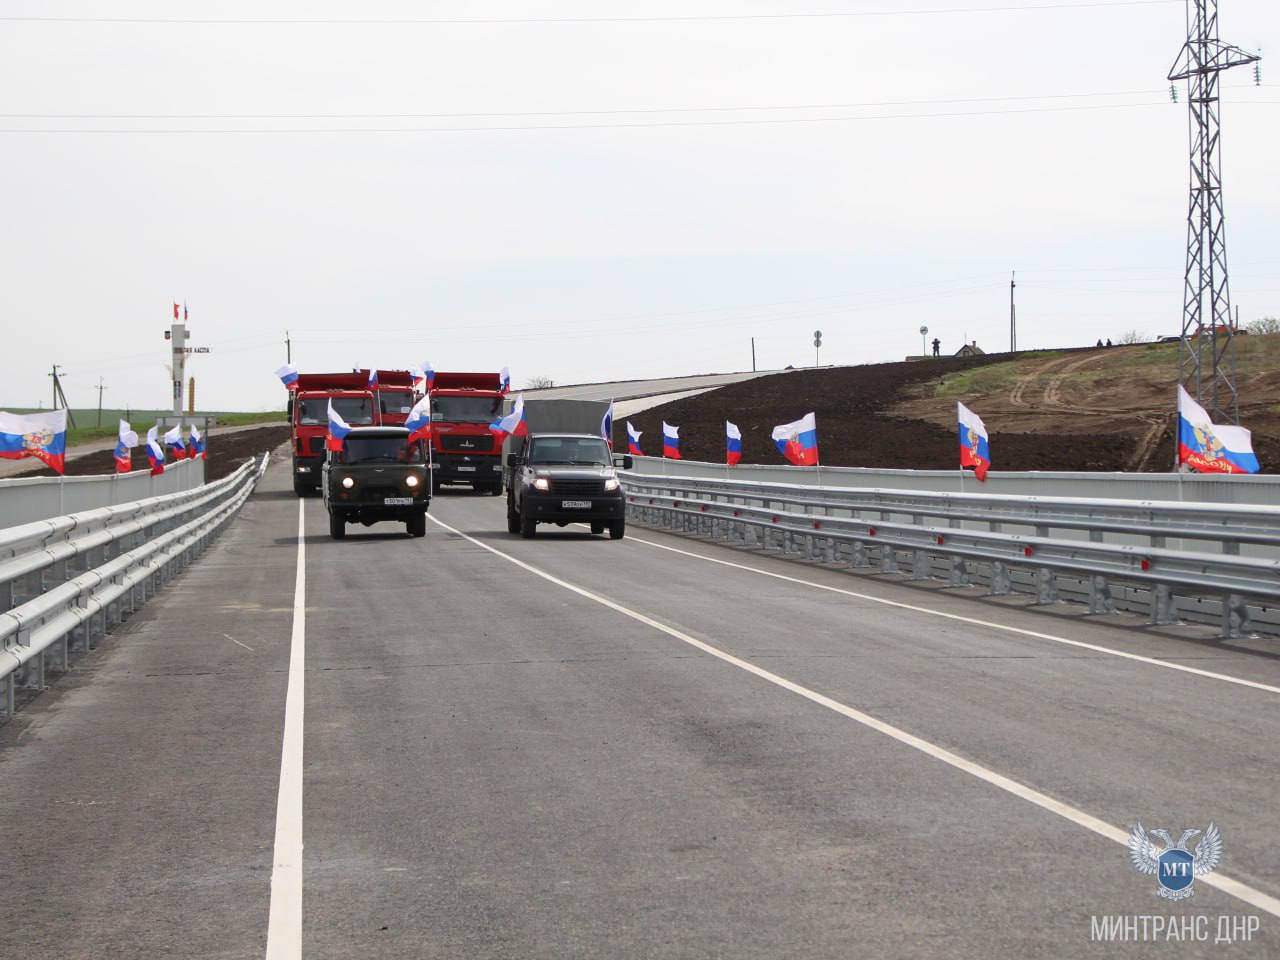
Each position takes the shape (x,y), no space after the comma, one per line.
(466,409)
(357,411)
(395,401)
(381,450)
(579,450)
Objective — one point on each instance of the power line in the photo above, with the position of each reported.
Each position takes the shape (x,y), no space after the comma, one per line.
(692,18)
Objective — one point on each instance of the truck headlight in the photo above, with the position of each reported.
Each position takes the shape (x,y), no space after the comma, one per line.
(348,483)
(610,484)
(411,481)
(541,483)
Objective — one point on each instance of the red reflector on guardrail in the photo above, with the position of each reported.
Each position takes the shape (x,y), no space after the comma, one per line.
(775,519)
(941,539)
(1028,551)
(737,513)
(817,524)
(871,531)
(1146,564)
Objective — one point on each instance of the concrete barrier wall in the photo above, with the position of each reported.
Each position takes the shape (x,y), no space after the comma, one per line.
(24,499)
(1257,489)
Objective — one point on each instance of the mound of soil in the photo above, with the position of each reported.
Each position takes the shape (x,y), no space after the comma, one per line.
(226,452)
(860,420)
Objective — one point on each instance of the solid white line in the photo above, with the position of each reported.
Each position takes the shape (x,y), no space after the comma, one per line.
(959,618)
(1236,888)
(284,925)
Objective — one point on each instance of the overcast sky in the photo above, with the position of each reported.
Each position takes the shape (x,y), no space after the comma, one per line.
(600,199)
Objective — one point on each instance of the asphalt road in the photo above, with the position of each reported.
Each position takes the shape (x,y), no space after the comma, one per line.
(576,747)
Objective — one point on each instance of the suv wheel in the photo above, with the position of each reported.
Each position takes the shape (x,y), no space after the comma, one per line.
(513,518)
(528,526)
(417,525)
(337,526)
(617,529)
(597,527)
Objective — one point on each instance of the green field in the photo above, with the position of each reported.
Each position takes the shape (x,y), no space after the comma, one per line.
(86,428)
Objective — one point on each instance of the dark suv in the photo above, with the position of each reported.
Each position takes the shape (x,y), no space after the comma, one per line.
(565,478)
(379,475)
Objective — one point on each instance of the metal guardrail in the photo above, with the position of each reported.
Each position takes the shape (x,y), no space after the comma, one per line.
(68,580)
(1165,559)
(26,499)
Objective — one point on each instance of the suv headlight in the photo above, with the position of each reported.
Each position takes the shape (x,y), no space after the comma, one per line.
(541,483)
(610,484)
(348,483)
(411,481)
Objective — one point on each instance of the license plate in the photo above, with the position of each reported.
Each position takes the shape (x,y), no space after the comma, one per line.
(575,504)
(466,469)
(398,502)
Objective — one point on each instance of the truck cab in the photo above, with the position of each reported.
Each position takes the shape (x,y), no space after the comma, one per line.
(464,449)
(309,417)
(565,478)
(378,475)
(396,396)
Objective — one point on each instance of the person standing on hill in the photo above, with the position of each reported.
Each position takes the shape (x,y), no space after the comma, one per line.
(937,345)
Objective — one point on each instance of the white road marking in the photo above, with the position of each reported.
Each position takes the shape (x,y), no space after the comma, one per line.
(960,618)
(284,924)
(237,642)
(1236,888)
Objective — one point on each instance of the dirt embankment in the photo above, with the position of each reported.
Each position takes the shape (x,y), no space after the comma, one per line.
(226,452)
(1088,409)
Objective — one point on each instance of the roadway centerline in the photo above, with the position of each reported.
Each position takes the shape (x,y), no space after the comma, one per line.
(1236,888)
(284,923)
(974,621)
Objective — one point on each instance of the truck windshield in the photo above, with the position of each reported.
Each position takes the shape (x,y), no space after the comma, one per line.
(381,450)
(395,401)
(466,409)
(580,450)
(357,411)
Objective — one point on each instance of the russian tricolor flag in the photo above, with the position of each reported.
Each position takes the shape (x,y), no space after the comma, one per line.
(288,375)
(670,441)
(633,441)
(373,379)
(513,424)
(338,430)
(419,422)
(732,444)
(606,425)
(798,441)
(155,452)
(126,440)
(429,372)
(197,444)
(1208,447)
(173,440)
(973,442)
(39,435)
(504,381)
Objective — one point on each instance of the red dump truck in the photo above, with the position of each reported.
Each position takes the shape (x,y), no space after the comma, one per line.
(462,407)
(396,396)
(309,416)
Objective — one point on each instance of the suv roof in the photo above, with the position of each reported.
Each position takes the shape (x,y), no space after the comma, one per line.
(379,432)
(576,436)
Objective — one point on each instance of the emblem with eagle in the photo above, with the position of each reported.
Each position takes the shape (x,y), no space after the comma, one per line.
(1175,867)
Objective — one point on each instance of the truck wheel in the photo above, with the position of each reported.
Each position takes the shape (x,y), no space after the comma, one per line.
(617,529)
(528,526)
(337,526)
(300,487)
(513,518)
(597,527)
(417,525)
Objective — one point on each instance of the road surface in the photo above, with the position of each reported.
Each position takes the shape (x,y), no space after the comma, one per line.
(655,747)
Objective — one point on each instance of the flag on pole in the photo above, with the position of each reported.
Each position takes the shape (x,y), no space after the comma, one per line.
(1208,447)
(504,381)
(606,425)
(184,311)
(513,424)
(974,451)
(155,452)
(288,375)
(126,440)
(338,430)
(373,379)
(670,441)
(173,441)
(419,421)
(175,311)
(633,441)
(39,435)
(429,372)
(798,440)
(198,448)
(732,444)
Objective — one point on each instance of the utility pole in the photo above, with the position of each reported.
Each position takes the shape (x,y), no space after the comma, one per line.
(288,348)
(101,386)
(59,395)
(1205,357)
(753,354)
(1013,315)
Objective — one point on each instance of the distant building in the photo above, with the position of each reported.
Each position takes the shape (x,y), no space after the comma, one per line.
(971,350)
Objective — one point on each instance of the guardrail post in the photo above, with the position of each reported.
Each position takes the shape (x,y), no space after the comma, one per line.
(888,559)
(1001,585)
(1100,599)
(920,565)
(1046,586)
(1235,616)
(1164,608)
(959,572)
(858,556)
